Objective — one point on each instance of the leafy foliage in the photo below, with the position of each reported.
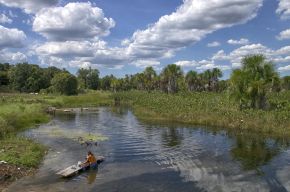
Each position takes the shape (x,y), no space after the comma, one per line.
(65,83)
(251,83)
(89,78)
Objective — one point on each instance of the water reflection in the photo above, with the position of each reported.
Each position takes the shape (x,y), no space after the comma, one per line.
(92,175)
(172,137)
(151,156)
(254,151)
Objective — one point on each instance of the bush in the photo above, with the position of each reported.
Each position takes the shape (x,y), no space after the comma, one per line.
(65,83)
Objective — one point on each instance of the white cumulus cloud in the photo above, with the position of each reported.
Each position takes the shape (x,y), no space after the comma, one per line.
(192,21)
(185,63)
(11,57)
(4,19)
(70,48)
(284,9)
(80,53)
(279,56)
(214,44)
(29,6)
(206,64)
(74,21)
(145,63)
(284,35)
(242,41)
(283,51)
(285,68)
(11,38)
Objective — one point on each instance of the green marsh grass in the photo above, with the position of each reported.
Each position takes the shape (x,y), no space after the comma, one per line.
(16,117)
(23,111)
(21,151)
(211,109)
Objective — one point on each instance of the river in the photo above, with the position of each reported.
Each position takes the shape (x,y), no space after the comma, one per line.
(148,156)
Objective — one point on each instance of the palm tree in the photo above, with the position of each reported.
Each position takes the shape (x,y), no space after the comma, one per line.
(149,78)
(199,83)
(253,81)
(215,75)
(140,81)
(207,75)
(191,80)
(170,76)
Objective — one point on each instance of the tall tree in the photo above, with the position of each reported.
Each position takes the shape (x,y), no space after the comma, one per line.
(88,78)
(4,68)
(149,78)
(82,75)
(25,77)
(65,83)
(93,79)
(215,75)
(170,76)
(191,80)
(253,81)
(106,82)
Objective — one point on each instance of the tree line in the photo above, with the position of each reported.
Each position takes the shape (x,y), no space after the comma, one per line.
(24,77)
(249,85)
(27,78)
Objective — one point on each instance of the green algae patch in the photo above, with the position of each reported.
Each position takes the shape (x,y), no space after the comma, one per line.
(76,135)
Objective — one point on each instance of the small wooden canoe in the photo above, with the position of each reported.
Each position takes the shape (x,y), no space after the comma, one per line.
(74,169)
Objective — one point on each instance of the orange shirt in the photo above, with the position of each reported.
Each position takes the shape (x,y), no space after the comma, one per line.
(91,159)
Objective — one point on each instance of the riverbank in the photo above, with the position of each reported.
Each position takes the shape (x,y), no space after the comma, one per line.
(211,109)
(22,111)
(19,112)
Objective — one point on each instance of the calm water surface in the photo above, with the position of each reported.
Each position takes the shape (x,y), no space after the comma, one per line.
(158,157)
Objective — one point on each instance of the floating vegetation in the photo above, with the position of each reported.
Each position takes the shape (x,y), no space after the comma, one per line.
(80,136)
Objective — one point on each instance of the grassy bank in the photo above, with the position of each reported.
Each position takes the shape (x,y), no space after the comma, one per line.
(15,117)
(211,109)
(22,111)
(92,99)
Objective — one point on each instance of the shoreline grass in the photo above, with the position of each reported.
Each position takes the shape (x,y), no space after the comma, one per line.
(210,109)
(22,111)
(14,118)
(19,112)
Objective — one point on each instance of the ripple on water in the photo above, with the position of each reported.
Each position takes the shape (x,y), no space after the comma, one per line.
(153,157)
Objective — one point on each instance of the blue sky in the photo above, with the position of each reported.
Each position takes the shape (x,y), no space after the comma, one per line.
(124,37)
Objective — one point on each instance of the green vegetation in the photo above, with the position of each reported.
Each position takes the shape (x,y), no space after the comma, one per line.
(78,135)
(90,99)
(93,99)
(64,83)
(21,151)
(211,109)
(18,116)
(15,117)
(255,98)
(21,111)
(251,83)
(170,77)
(88,78)
(28,78)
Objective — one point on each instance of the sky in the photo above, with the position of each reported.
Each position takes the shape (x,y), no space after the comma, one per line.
(125,36)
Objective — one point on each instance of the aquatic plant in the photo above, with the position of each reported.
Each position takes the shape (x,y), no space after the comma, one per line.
(76,135)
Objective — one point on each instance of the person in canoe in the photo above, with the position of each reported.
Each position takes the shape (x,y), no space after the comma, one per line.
(90,160)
